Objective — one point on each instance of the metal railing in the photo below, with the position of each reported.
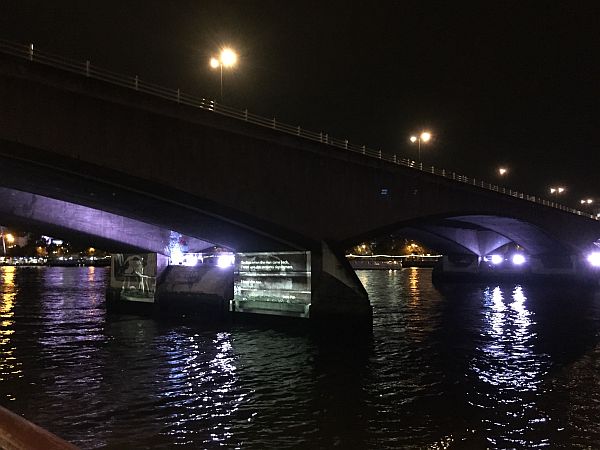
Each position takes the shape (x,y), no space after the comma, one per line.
(86,69)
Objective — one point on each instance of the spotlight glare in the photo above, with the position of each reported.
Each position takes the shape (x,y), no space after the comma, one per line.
(518,259)
(594,259)
(225,261)
(497,259)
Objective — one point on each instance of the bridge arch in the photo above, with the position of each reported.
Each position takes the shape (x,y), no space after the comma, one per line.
(476,234)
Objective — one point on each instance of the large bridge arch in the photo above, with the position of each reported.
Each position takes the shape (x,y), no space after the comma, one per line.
(476,233)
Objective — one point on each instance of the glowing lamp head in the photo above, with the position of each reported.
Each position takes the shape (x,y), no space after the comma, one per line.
(518,259)
(502,171)
(225,261)
(497,259)
(594,259)
(426,136)
(413,139)
(214,63)
(228,57)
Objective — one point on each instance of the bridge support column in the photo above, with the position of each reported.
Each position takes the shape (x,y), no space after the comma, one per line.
(338,296)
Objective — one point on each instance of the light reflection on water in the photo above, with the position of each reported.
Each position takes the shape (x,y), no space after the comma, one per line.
(198,384)
(10,367)
(498,366)
(507,362)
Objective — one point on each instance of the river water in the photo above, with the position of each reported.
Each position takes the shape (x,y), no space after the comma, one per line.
(467,366)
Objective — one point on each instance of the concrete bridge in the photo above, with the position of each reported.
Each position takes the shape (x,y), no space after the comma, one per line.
(86,152)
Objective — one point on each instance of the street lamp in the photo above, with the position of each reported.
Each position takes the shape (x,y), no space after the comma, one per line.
(556,191)
(6,238)
(424,137)
(227,58)
(587,203)
(502,171)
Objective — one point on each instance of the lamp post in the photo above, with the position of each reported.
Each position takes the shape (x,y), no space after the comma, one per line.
(6,237)
(502,171)
(227,58)
(425,136)
(556,191)
(587,203)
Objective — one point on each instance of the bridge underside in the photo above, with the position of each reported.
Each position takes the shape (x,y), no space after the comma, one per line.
(104,229)
(480,235)
(337,295)
(91,194)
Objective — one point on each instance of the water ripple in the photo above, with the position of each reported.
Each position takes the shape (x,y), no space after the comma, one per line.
(463,366)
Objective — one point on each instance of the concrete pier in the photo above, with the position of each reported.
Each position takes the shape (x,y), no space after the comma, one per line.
(320,286)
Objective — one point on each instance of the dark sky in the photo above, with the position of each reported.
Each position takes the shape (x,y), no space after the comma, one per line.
(497,82)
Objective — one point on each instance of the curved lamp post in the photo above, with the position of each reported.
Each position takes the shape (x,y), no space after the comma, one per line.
(424,137)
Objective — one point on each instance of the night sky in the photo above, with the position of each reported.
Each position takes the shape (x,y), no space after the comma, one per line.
(497,82)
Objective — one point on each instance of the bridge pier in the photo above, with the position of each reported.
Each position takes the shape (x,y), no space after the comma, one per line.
(317,285)
(339,298)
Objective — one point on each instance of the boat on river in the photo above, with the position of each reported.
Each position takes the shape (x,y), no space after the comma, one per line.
(391,262)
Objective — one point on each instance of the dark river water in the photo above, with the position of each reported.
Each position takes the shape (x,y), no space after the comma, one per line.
(467,366)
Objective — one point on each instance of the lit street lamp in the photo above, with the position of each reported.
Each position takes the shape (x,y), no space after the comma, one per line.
(502,171)
(227,58)
(556,191)
(587,203)
(425,137)
(6,237)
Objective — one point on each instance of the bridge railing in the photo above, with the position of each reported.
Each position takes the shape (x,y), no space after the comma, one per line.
(87,69)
